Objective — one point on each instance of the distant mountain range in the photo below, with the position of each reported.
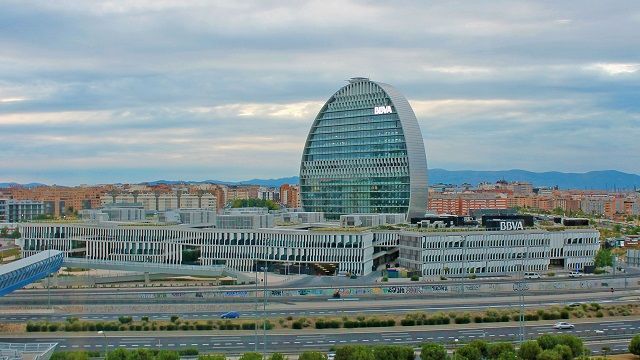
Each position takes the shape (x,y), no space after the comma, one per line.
(596,180)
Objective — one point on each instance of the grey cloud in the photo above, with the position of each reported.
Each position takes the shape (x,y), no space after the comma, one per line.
(142,67)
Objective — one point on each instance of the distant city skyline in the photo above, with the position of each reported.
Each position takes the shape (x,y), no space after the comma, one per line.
(140,91)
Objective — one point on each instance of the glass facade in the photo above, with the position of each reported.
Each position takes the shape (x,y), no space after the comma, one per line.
(357,158)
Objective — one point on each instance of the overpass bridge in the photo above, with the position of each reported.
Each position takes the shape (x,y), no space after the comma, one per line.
(155,268)
(19,273)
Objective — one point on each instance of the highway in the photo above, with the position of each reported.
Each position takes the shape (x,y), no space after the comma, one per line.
(199,295)
(616,333)
(320,307)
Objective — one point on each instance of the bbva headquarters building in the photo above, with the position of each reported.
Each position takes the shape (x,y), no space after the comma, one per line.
(365,154)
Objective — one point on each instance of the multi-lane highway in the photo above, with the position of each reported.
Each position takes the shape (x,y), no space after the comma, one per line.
(196,295)
(614,333)
(319,308)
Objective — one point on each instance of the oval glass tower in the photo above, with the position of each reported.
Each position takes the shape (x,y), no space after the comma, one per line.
(364,154)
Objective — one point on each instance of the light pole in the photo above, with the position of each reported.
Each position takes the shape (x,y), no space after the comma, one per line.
(455,347)
(106,344)
(255,305)
(264,313)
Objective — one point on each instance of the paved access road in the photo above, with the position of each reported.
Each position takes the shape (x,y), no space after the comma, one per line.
(610,332)
(326,308)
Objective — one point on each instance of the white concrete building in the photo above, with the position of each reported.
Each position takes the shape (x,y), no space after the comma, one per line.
(355,251)
(496,252)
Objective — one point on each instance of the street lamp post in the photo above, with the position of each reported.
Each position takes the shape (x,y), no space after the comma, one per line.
(455,347)
(255,305)
(106,344)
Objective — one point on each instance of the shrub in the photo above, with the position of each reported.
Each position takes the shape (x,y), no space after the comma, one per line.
(350,352)
(463,319)
(174,318)
(144,318)
(479,319)
(529,350)
(415,278)
(469,352)
(251,356)
(212,357)
(188,352)
(564,351)
(482,346)
(125,319)
(407,322)
(549,355)
(551,274)
(385,279)
(393,352)
(634,345)
(431,351)
(277,356)
(494,350)
(248,326)
(312,355)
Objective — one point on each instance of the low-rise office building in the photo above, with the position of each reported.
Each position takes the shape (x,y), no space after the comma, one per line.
(20,210)
(432,252)
(481,251)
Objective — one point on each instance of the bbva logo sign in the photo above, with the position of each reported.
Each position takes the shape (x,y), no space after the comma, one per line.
(511,225)
(378,110)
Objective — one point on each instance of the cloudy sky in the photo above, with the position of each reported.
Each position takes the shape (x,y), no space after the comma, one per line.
(94,92)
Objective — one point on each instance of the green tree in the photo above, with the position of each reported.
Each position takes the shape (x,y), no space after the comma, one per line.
(118,354)
(529,350)
(431,351)
(312,355)
(354,352)
(15,234)
(251,356)
(547,341)
(634,345)
(564,351)
(469,352)
(167,355)
(212,357)
(4,232)
(393,352)
(482,346)
(603,258)
(508,355)
(573,342)
(494,350)
(549,355)
(277,356)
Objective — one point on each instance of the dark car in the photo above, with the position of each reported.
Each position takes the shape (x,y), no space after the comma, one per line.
(230,315)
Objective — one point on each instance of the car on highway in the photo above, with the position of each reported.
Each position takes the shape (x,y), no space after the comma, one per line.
(575,274)
(230,315)
(563,325)
(531,275)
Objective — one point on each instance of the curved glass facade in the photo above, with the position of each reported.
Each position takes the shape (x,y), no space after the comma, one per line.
(364,154)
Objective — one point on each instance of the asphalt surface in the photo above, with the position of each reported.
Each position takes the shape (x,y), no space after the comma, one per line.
(612,333)
(189,295)
(327,308)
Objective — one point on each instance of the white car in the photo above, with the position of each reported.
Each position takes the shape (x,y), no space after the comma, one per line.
(575,274)
(563,326)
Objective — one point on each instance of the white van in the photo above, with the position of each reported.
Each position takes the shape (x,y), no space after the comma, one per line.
(531,275)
